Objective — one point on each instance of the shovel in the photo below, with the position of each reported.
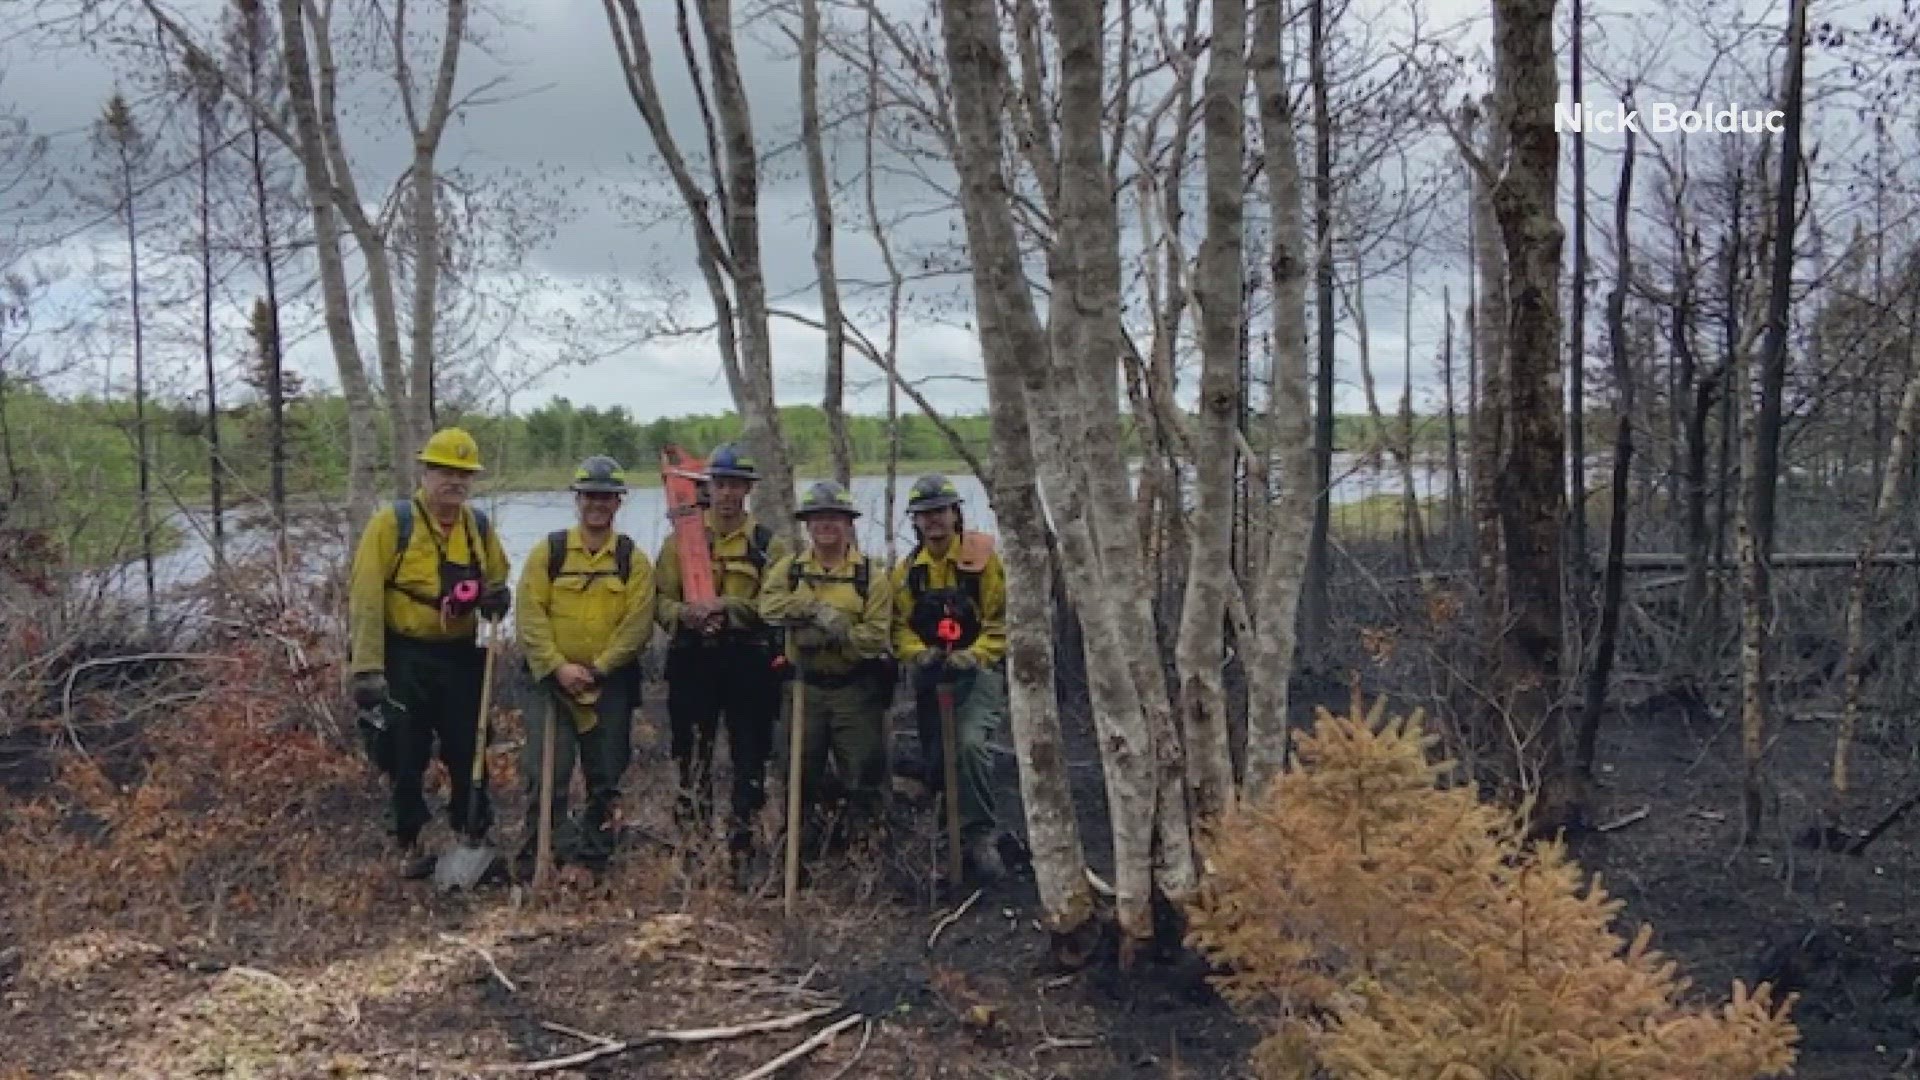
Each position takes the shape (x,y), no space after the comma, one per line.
(464,864)
(796,744)
(949,633)
(543,841)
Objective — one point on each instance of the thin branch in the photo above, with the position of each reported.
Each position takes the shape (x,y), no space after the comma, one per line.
(683,1037)
(954,917)
(454,939)
(820,1039)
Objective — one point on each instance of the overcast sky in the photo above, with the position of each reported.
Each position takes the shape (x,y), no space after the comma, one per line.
(571,117)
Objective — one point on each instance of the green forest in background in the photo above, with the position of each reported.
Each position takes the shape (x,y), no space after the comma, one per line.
(74,464)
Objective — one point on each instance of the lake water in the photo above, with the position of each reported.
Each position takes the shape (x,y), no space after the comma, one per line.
(525,518)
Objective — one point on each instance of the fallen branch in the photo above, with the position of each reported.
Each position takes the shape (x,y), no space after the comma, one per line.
(1624,820)
(583,1036)
(452,939)
(260,975)
(677,1037)
(865,1037)
(958,914)
(820,1038)
(1859,845)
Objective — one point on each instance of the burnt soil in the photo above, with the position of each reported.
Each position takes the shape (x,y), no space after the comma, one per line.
(664,941)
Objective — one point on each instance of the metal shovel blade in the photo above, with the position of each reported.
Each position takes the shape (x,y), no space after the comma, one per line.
(463,865)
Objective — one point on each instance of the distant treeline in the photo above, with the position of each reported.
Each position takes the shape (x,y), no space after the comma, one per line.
(86,444)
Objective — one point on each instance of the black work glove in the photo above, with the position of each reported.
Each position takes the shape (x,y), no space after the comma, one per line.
(495,602)
(369,689)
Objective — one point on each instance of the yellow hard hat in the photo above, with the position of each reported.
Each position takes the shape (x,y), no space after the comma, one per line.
(452,448)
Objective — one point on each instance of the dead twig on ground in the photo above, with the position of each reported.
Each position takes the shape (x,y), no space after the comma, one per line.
(1624,820)
(946,921)
(583,1036)
(454,939)
(681,1037)
(865,1038)
(820,1038)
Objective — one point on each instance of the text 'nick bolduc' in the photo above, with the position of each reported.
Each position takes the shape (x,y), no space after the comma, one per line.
(1664,117)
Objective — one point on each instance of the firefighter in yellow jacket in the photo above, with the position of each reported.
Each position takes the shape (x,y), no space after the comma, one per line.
(953,580)
(426,570)
(585,606)
(839,605)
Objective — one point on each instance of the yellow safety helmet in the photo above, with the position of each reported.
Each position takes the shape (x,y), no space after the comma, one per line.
(452,448)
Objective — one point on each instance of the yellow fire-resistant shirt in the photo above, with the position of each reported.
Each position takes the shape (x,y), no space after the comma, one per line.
(734,574)
(587,614)
(387,596)
(871,617)
(943,572)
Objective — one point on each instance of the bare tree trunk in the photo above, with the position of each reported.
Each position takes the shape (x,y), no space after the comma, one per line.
(895,284)
(123,137)
(1410,494)
(1905,429)
(1764,445)
(1487,432)
(762,416)
(253,45)
(1356,301)
(1698,405)
(1623,378)
(1219,287)
(1285,561)
(833,403)
(1087,343)
(1737,385)
(1530,492)
(1318,601)
(330,195)
(1010,341)
(309,146)
(1455,490)
(1577,349)
(425,189)
(206,100)
(749,377)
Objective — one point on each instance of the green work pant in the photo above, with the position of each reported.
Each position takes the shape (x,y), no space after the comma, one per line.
(979,704)
(603,753)
(847,722)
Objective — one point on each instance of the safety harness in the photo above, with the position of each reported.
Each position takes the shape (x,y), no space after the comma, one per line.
(557,558)
(960,602)
(454,599)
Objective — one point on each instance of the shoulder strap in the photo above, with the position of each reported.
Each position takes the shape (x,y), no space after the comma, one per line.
(557,554)
(757,543)
(480,518)
(916,572)
(403,521)
(862,575)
